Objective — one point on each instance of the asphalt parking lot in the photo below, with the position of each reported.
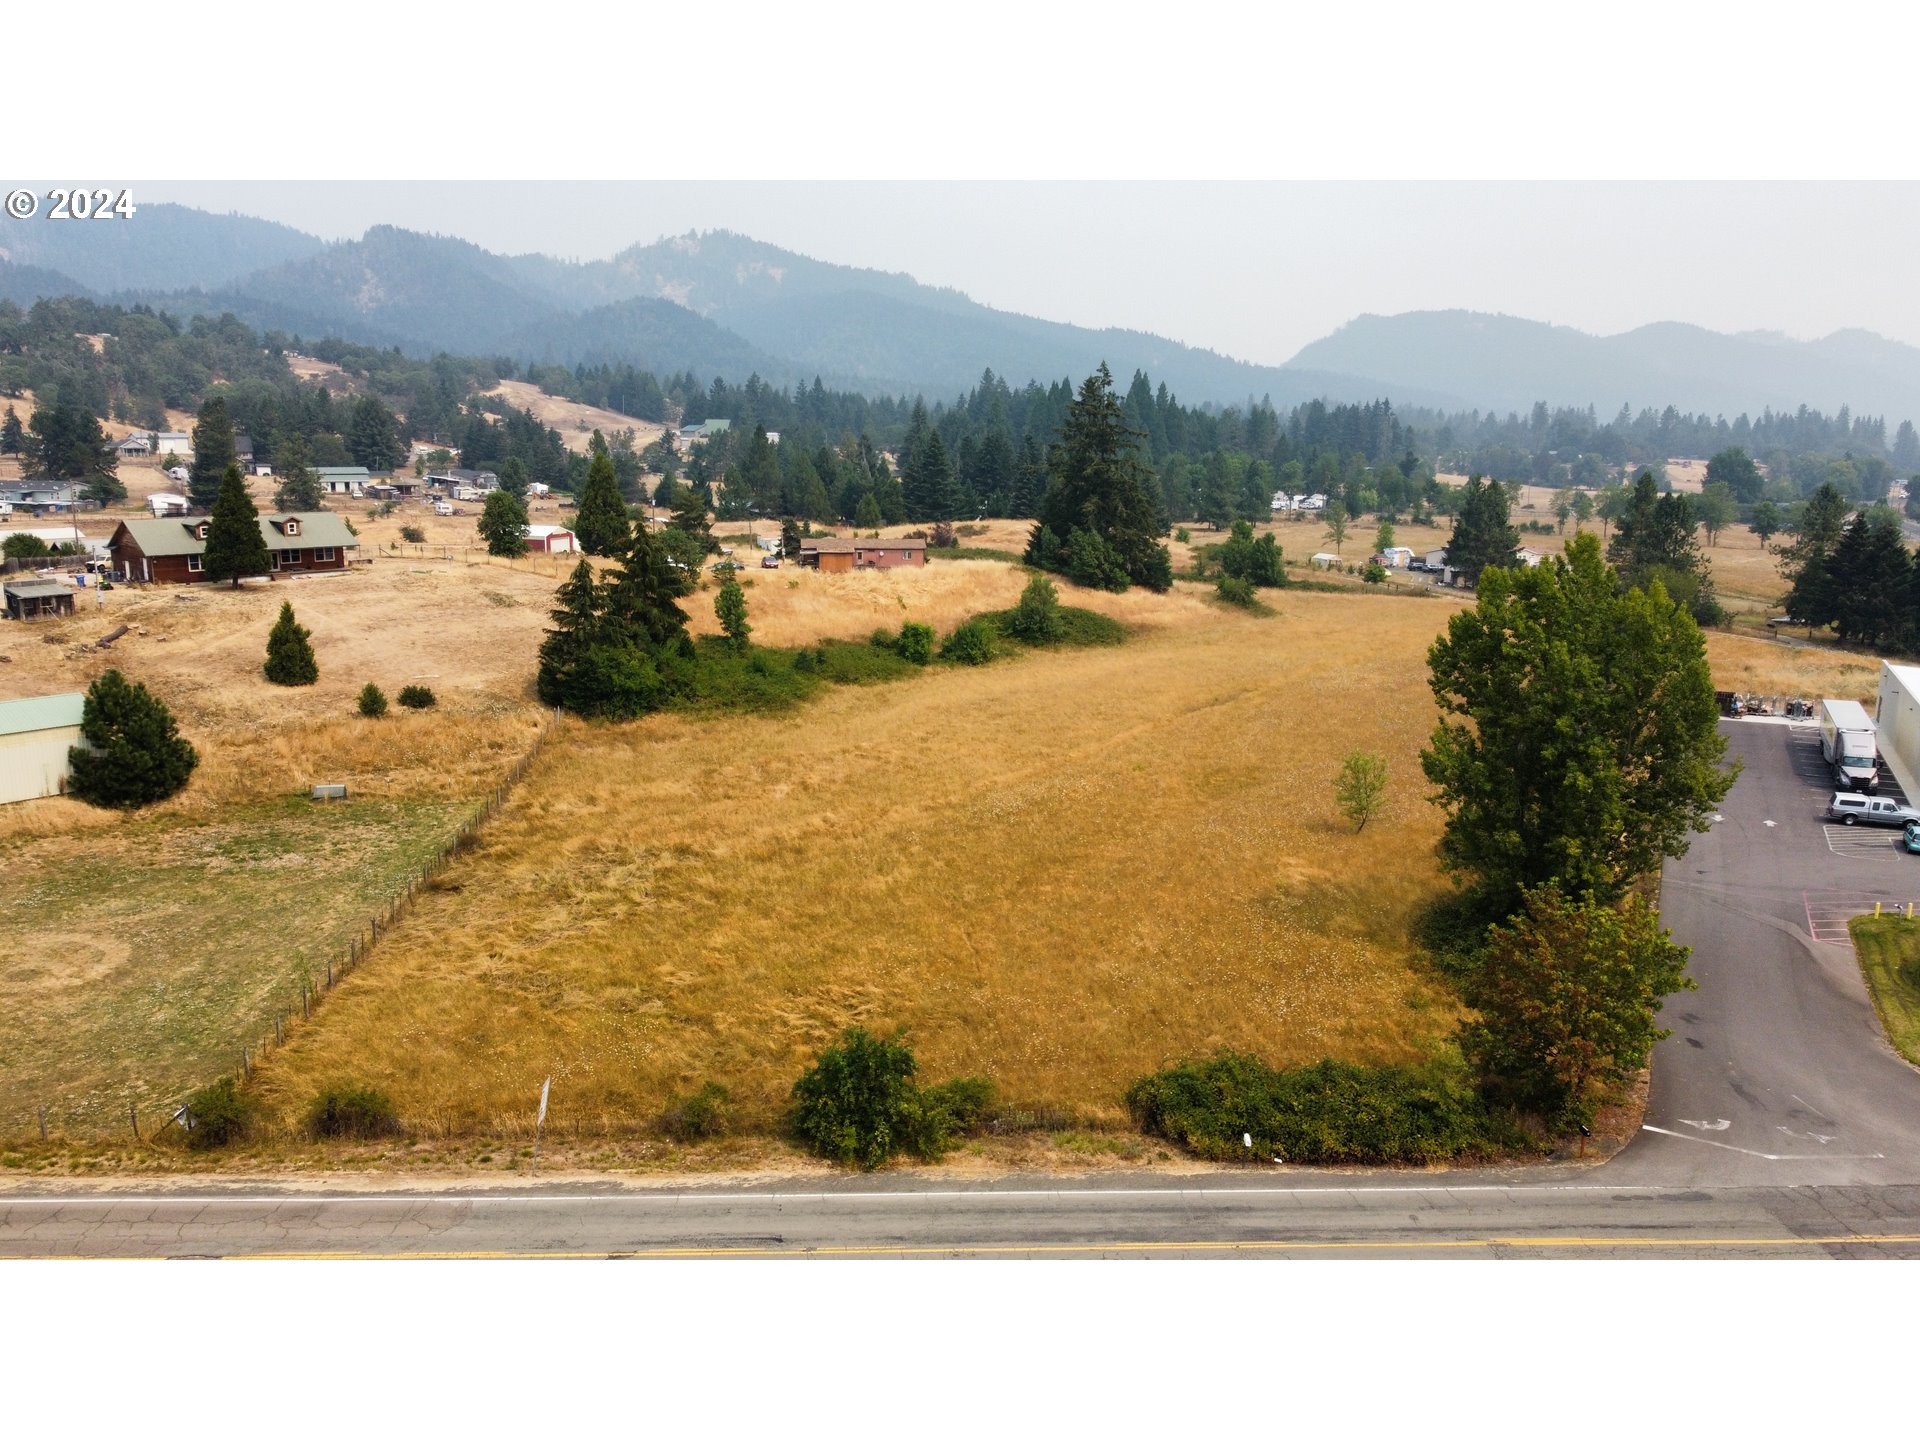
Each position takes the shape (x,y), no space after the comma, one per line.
(1776,1070)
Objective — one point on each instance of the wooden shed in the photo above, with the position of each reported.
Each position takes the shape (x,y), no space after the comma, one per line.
(38,599)
(35,736)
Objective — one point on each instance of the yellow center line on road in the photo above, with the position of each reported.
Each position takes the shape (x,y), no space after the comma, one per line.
(1548,1242)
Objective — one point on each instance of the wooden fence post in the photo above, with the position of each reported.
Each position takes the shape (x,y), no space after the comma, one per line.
(133,1115)
(43,1122)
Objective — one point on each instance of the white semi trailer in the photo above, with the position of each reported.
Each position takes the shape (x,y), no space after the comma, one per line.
(1846,742)
(1898,728)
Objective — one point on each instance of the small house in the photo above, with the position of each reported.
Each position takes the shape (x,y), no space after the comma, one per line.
(837,555)
(38,497)
(37,599)
(35,736)
(550,540)
(1528,556)
(140,442)
(1437,559)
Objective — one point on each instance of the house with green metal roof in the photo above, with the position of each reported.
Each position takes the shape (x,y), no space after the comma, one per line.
(35,736)
(170,551)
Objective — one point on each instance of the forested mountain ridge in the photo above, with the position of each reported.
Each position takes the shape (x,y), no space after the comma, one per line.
(724,304)
(161,248)
(1500,362)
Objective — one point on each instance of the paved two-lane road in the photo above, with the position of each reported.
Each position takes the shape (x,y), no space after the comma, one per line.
(1780,1124)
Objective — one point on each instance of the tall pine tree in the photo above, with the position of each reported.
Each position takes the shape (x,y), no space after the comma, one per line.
(213,453)
(1100,486)
(235,546)
(601,523)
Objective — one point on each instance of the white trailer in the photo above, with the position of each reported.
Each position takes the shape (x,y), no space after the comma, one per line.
(1898,714)
(1847,744)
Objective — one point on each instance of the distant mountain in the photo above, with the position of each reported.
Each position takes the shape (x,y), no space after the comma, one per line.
(879,330)
(1499,362)
(160,247)
(24,284)
(725,304)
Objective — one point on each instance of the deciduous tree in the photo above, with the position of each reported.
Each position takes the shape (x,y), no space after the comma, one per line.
(1579,740)
(1360,788)
(1567,993)
(503,524)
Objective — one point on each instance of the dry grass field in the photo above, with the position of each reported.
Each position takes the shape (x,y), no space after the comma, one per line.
(138,953)
(1061,872)
(575,422)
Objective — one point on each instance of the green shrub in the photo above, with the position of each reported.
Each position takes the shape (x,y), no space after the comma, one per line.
(1235,591)
(1375,573)
(373,701)
(852,664)
(416,697)
(351,1112)
(134,754)
(971,643)
(22,546)
(858,1103)
(1036,619)
(413,535)
(699,1116)
(222,1113)
(959,1107)
(1183,535)
(1331,1113)
(915,643)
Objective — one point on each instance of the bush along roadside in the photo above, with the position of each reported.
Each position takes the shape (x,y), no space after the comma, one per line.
(1331,1113)
(860,1103)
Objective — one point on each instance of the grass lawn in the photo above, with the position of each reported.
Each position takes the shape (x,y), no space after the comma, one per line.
(1889,951)
(140,959)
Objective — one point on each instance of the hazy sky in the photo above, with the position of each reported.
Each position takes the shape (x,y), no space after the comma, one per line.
(1255,270)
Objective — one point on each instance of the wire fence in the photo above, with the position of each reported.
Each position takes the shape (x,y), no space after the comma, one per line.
(316,986)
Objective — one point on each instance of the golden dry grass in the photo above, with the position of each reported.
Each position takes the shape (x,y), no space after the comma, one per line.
(1769,667)
(1061,872)
(575,421)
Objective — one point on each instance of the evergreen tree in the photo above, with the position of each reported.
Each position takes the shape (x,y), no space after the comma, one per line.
(690,518)
(134,754)
(866,515)
(1099,485)
(1803,563)
(601,523)
(1483,536)
(503,524)
(299,486)
(66,442)
(235,546)
(577,627)
(756,475)
(373,439)
(641,594)
(289,655)
(213,454)
(12,438)
(1029,480)
(1868,578)
(730,608)
(790,538)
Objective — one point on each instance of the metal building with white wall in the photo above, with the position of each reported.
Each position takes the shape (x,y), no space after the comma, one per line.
(1897,725)
(35,736)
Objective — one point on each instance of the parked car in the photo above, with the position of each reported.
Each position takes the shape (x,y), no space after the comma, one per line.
(1911,837)
(1850,807)
(769,562)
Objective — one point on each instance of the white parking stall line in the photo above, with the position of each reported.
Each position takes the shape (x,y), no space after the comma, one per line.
(1857,844)
(1828,912)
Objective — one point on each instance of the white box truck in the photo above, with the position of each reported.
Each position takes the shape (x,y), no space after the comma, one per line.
(1846,743)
